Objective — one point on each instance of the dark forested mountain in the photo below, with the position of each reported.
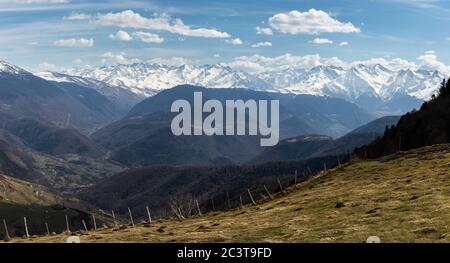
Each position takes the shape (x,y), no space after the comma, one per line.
(156,186)
(310,146)
(357,138)
(67,173)
(50,139)
(22,94)
(44,153)
(299,114)
(144,137)
(427,126)
(297,148)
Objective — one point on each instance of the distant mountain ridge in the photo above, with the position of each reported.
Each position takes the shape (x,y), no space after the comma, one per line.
(374,87)
(123,97)
(315,146)
(24,95)
(144,137)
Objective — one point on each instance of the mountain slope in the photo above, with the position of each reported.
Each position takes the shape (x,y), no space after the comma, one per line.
(357,138)
(63,160)
(50,139)
(120,96)
(40,152)
(25,193)
(157,186)
(24,95)
(312,146)
(297,148)
(66,173)
(19,199)
(400,198)
(144,137)
(430,125)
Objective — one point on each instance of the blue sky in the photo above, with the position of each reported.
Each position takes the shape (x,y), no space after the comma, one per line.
(53,34)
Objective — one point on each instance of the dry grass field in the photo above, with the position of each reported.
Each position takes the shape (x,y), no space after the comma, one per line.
(400,198)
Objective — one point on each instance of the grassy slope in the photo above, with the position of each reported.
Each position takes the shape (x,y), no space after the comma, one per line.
(24,193)
(401,198)
(19,199)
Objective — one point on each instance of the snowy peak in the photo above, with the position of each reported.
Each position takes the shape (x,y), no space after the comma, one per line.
(350,83)
(147,79)
(8,68)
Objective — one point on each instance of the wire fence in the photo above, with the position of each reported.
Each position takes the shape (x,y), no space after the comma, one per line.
(181,209)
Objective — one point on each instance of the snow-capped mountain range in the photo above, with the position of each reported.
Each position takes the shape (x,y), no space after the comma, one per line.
(324,80)
(374,87)
(148,79)
(120,95)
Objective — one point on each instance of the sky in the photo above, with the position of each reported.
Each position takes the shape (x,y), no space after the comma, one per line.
(251,35)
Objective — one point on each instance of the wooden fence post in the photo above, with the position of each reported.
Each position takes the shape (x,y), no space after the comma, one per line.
(84,224)
(26,227)
(114,218)
(95,222)
(295,178)
(148,213)
(251,197)
(228,201)
(279,184)
(6,230)
(67,225)
(213,206)
(267,190)
(198,207)
(131,216)
(47,228)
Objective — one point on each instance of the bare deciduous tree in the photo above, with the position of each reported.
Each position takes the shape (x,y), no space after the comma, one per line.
(182,206)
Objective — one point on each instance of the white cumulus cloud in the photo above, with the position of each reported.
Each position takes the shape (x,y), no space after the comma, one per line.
(321,41)
(173,61)
(430,61)
(393,64)
(259,63)
(77,16)
(74,42)
(45,66)
(77,61)
(121,36)
(262,44)
(343,44)
(264,31)
(309,22)
(148,37)
(163,22)
(120,58)
(235,41)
